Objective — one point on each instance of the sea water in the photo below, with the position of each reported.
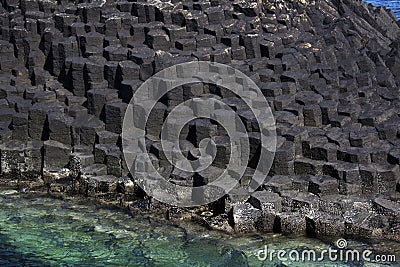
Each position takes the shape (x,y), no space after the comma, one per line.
(392,4)
(45,231)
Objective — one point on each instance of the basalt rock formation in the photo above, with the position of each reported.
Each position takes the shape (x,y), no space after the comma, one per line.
(329,69)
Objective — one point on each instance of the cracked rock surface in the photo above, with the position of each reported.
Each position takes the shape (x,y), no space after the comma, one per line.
(329,69)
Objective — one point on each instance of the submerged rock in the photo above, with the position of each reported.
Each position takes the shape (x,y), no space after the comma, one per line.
(234,257)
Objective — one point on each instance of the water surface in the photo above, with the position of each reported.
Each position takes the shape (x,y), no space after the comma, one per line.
(43,231)
(392,4)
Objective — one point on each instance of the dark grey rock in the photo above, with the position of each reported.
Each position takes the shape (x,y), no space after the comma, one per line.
(20,126)
(265,201)
(56,154)
(106,137)
(60,128)
(291,223)
(114,115)
(97,99)
(244,217)
(95,170)
(84,130)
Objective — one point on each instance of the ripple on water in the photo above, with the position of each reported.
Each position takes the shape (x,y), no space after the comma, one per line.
(52,232)
(392,4)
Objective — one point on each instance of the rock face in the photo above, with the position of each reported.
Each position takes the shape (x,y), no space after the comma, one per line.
(330,70)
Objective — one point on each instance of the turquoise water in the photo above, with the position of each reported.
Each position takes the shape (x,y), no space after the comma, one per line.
(42,231)
(392,4)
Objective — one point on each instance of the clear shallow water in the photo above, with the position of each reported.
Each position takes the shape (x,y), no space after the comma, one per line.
(392,4)
(44,231)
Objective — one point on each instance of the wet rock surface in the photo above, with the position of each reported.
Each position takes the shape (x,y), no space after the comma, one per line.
(329,69)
